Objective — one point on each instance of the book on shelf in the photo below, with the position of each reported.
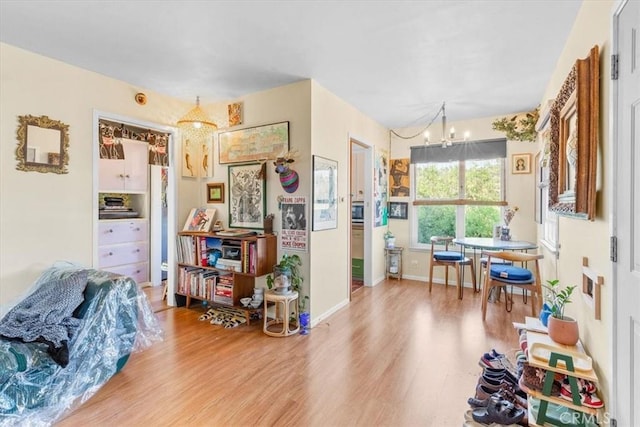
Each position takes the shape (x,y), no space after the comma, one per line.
(236,233)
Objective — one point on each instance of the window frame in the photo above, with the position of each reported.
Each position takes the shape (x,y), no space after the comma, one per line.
(460,203)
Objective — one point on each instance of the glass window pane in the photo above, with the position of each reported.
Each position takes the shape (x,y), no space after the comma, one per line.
(435,221)
(480,220)
(437,181)
(482,179)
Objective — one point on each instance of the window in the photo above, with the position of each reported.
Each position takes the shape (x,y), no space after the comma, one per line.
(457,193)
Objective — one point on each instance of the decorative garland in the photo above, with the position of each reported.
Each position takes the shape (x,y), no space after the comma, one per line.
(523,129)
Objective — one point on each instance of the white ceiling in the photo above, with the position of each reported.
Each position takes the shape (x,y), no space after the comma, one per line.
(396,61)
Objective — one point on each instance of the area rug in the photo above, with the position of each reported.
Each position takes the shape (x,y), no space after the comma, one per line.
(223,316)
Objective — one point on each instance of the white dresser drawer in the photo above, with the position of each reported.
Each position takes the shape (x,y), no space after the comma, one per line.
(127,253)
(138,272)
(115,231)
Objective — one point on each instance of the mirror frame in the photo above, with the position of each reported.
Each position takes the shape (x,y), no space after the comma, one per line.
(23,136)
(579,96)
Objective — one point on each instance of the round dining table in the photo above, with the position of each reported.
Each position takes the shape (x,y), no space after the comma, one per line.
(491,244)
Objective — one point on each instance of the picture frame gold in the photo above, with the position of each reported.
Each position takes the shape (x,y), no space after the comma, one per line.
(215,192)
(574,121)
(43,145)
(521,163)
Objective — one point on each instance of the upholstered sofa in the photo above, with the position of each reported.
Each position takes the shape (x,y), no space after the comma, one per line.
(115,320)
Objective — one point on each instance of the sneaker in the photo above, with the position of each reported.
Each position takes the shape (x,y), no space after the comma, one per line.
(489,361)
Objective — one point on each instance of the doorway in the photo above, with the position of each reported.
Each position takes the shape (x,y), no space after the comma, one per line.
(626,217)
(360,162)
(154,201)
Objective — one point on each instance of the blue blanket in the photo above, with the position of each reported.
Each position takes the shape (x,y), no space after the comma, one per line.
(47,315)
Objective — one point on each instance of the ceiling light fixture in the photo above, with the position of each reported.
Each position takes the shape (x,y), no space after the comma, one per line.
(446,141)
(196,122)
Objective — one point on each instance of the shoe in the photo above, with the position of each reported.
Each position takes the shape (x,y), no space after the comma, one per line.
(533,378)
(498,411)
(587,398)
(489,361)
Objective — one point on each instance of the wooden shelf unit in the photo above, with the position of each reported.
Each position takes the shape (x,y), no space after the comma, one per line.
(567,360)
(257,258)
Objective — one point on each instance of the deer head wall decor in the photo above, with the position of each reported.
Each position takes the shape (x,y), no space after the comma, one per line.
(289,178)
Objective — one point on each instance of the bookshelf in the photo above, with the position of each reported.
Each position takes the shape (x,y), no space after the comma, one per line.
(219,268)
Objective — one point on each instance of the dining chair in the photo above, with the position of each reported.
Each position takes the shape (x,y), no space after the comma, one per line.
(498,274)
(446,258)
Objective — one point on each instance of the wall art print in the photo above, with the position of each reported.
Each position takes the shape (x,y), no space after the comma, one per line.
(400,186)
(254,143)
(325,194)
(380,180)
(247,196)
(294,231)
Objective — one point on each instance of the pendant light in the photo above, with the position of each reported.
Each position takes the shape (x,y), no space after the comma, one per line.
(196,123)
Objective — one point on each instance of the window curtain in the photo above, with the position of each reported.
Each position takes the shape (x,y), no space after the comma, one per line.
(112,133)
(474,150)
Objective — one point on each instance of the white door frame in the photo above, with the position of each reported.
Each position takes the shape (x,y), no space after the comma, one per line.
(622,321)
(171,189)
(368,215)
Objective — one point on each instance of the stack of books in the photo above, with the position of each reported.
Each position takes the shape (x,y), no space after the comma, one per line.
(114,208)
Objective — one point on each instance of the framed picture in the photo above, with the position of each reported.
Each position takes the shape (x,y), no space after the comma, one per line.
(215,192)
(398,210)
(247,195)
(573,152)
(325,194)
(521,163)
(252,144)
(199,219)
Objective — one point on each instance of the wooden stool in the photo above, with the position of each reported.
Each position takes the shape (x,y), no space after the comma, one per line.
(286,307)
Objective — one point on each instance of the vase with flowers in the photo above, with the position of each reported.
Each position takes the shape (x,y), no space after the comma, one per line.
(509,213)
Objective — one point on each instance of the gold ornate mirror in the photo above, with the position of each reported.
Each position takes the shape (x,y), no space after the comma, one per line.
(43,145)
(574,141)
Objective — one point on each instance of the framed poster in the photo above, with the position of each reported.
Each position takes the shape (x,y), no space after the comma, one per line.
(199,219)
(398,210)
(325,194)
(252,144)
(215,192)
(247,196)
(521,163)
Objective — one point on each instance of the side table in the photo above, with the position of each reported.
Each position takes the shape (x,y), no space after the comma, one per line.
(286,307)
(393,262)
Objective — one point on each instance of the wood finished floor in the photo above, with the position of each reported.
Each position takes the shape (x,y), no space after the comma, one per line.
(395,356)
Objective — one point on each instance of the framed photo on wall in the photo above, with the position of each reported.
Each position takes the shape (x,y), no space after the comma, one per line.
(398,210)
(247,196)
(253,144)
(325,193)
(215,192)
(521,163)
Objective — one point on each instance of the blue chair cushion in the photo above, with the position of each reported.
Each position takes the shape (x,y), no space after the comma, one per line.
(447,256)
(509,272)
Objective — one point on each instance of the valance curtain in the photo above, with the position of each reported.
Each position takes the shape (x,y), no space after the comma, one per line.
(474,150)
(111,134)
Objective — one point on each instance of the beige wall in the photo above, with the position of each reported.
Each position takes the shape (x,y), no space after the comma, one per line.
(580,238)
(519,192)
(49,217)
(333,123)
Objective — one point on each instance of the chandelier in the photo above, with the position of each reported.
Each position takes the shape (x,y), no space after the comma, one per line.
(446,140)
(196,123)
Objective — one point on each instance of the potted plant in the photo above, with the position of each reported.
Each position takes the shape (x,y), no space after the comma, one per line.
(286,274)
(289,267)
(390,239)
(562,329)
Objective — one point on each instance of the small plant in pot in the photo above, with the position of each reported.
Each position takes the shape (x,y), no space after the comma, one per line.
(286,274)
(562,329)
(286,277)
